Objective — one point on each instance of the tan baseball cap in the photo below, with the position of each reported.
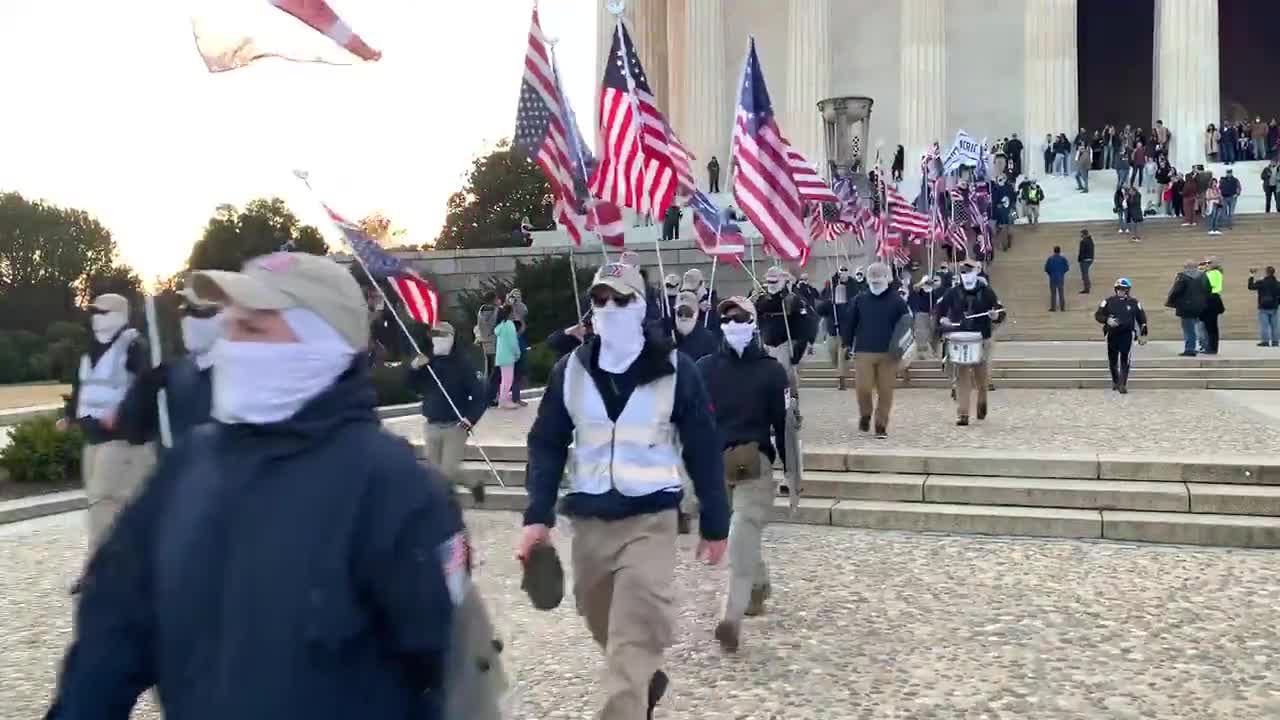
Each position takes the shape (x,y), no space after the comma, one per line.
(621,277)
(111,302)
(739,302)
(286,280)
(687,297)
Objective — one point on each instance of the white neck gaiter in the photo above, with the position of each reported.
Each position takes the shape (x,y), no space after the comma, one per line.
(258,383)
(738,335)
(621,331)
(106,325)
(198,337)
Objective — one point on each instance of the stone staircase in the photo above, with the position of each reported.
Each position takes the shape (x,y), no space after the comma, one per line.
(1049,373)
(1019,278)
(1232,502)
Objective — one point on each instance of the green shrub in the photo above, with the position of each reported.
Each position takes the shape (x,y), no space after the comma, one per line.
(392,386)
(38,452)
(540,361)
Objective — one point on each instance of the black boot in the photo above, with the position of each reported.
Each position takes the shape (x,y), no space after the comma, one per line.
(1124,390)
(864,424)
(657,688)
(982,411)
(729,635)
(964,420)
(683,523)
(881,432)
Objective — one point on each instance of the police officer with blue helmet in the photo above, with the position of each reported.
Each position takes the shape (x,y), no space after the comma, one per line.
(1122,319)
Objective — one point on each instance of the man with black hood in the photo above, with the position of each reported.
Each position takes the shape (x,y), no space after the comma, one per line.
(114,461)
(634,409)
(971,306)
(749,392)
(187,380)
(294,560)
(444,434)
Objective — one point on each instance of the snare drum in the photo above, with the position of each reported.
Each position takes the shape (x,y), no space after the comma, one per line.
(964,348)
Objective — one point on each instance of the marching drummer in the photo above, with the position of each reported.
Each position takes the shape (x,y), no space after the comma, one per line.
(965,316)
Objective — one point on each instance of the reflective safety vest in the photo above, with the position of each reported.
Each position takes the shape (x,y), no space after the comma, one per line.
(638,454)
(104,384)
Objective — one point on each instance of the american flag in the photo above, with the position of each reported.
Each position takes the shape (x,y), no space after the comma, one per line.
(232,34)
(763,185)
(825,224)
(547,132)
(637,169)
(455,560)
(812,187)
(716,236)
(903,216)
(420,298)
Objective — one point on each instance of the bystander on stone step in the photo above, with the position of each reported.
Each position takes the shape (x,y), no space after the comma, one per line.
(1057,493)
(974,519)
(1228,499)
(1192,528)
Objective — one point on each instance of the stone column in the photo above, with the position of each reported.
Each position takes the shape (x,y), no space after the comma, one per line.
(707,89)
(677,44)
(922,86)
(1052,80)
(1186,95)
(808,76)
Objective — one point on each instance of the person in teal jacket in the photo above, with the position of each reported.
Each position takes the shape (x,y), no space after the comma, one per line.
(506,355)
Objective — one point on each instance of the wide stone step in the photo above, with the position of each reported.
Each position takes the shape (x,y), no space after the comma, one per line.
(1233,469)
(1057,493)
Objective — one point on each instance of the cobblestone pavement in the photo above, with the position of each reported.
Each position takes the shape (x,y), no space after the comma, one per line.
(1173,422)
(863,624)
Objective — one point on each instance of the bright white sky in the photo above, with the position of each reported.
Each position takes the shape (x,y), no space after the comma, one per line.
(107,107)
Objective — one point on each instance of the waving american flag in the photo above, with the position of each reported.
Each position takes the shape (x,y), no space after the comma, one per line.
(547,133)
(419,296)
(764,185)
(637,168)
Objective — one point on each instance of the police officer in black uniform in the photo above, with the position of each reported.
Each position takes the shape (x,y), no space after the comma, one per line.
(1122,319)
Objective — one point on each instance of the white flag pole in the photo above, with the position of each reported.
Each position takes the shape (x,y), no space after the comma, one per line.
(305,178)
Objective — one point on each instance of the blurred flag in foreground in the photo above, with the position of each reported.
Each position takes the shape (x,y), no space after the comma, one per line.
(231,34)
(420,298)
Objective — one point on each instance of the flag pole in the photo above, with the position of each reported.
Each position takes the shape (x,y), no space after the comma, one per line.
(162,402)
(303,176)
(573,132)
(715,261)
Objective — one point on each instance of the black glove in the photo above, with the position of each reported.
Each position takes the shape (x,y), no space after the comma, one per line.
(477,494)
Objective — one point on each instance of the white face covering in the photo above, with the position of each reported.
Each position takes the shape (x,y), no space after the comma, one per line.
(684,326)
(199,335)
(441,346)
(969,280)
(773,286)
(877,286)
(106,325)
(859,277)
(738,335)
(621,331)
(258,383)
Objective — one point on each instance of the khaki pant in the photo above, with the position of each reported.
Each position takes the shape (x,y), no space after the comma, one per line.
(752,508)
(969,377)
(444,444)
(113,474)
(623,573)
(1033,214)
(875,373)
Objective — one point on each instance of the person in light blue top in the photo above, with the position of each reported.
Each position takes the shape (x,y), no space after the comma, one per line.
(506,355)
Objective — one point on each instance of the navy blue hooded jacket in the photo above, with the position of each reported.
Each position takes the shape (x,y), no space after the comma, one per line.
(188,397)
(294,570)
(552,432)
(459,379)
(748,395)
(699,343)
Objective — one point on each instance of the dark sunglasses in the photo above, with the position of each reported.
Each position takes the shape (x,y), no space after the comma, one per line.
(738,317)
(601,299)
(684,311)
(198,311)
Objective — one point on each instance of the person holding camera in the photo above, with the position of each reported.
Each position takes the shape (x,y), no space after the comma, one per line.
(1268,289)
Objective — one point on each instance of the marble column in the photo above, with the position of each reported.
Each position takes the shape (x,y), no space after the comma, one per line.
(922,81)
(648,21)
(707,89)
(1052,84)
(677,45)
(1186,95)
(808,76)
